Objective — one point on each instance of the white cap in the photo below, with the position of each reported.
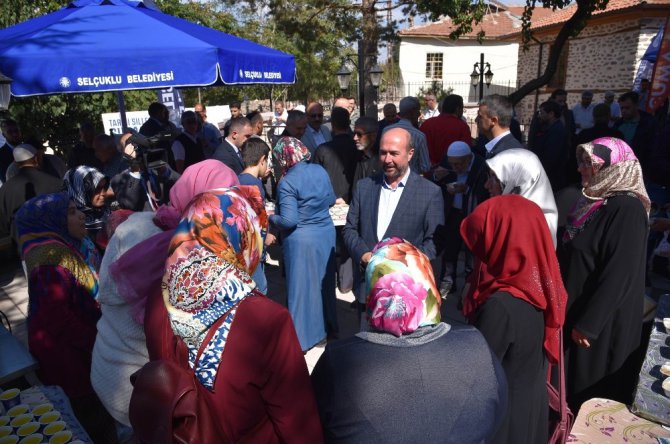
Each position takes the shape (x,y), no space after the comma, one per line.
(23,152)
(458,149)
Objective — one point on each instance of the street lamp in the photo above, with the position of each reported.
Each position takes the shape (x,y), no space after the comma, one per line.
(344,77)
(479,77)
(5,93)
(376,75)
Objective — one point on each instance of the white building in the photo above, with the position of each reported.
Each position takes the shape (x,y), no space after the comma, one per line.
(427,54)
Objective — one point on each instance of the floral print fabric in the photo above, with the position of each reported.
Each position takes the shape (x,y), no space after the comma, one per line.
(211,258)
(287,152)
(402,295)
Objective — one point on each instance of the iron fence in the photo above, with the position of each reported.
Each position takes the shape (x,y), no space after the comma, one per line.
(394,91)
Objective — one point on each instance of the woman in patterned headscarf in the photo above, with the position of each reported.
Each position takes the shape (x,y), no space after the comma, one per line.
(304,195)
(518,303)
(411,378)
(61,265)
(603,266)
(241,346)
(88,188)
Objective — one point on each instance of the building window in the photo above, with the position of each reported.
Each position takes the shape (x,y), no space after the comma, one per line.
(558,79)
(434,66)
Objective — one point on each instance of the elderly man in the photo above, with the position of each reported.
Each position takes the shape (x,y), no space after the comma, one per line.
(208,132)
(493,121)
(410,110)
(229,152)
(463,175)
(431,108)
(583,112)
(29,182)
(397,202)
(365,138)
(316,133)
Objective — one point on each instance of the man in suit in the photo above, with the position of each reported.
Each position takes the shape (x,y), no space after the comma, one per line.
(316,133)
(229,152)
(493,121)
(397,202)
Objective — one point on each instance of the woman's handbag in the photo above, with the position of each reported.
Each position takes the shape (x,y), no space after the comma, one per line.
(560,416)
(168,403)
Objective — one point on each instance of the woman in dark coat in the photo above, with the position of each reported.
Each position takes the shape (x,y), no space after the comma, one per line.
(603,265)
(518,303)
(411,378)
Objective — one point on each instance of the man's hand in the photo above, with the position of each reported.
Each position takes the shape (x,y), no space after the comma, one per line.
(366,258)
(580,339)
(340,201)
(440,173)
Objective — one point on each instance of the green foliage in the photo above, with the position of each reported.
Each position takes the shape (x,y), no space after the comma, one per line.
(437,89)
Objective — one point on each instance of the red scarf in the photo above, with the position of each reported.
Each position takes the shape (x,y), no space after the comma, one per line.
(510,237)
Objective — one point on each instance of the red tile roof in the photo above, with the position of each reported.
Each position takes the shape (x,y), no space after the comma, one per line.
(506,21)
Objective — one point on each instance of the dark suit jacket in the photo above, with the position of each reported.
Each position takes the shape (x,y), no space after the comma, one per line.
(506,143)
(226,153)
(338,158)
(420,211)
(6,159)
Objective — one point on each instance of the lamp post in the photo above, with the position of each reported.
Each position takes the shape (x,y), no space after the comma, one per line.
(344,77)
(479,77)
(5,93)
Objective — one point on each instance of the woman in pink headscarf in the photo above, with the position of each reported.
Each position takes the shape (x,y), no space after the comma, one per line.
(130,277)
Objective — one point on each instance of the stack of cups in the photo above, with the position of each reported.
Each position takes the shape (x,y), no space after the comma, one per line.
(22,424)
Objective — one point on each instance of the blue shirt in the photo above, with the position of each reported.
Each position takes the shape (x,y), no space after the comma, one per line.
(249,179)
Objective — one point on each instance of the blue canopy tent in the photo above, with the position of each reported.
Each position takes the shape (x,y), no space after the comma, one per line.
(116,45)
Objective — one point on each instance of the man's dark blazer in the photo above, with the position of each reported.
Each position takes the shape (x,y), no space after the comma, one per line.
(226,153)
(418,214)
(6,159)
(506,143)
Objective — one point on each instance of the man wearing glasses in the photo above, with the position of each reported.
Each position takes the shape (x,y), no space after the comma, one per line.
(431,107)
(316,133)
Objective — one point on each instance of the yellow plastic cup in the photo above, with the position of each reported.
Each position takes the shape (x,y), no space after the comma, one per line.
(28,429)
(21,420)
(48,418)
(4,420)
(35,438)
(9,439)
(54,428)
(10,398)
(42,409)
(61,437)
(6,431)
(17,410)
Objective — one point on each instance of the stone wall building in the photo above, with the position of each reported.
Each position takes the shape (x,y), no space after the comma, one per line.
(604,56)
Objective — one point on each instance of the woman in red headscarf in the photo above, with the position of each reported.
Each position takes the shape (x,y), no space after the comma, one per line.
(518,303)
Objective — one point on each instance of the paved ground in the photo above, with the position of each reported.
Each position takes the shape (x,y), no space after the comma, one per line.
(14,301)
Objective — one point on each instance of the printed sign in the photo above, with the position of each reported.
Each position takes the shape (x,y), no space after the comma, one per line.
(112,121)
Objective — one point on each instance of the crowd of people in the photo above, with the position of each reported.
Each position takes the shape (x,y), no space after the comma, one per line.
(151,249)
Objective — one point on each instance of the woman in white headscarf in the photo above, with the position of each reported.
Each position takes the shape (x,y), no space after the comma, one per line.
(519,171)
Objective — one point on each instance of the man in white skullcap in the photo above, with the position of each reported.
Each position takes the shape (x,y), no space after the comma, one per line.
(463,175)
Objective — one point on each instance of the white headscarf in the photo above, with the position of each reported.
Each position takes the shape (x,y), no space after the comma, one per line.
(521,172)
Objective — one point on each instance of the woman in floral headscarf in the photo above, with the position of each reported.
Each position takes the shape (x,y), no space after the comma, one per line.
(603,266)
(304,195)
(130,282)
(241,345)
(411,378)
(518,303)
(62,266)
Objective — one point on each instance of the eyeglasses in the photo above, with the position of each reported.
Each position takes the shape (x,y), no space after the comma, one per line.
(315,116)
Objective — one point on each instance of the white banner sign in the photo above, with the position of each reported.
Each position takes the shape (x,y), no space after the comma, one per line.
(135,119)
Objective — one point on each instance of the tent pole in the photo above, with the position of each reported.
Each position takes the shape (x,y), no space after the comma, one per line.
(122,110)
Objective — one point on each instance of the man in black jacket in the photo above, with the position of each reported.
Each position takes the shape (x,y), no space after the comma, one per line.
(637,126)
(493,121)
